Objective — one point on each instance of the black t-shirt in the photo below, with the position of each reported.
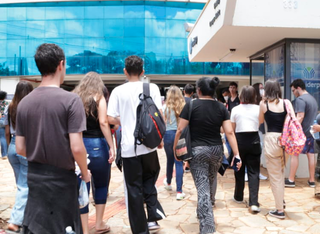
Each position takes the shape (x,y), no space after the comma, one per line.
(233,103)
(205,122)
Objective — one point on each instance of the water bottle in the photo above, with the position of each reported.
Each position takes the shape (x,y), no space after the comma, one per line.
(69,230)
(314,134)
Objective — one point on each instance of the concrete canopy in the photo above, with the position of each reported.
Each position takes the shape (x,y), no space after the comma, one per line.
(249,26)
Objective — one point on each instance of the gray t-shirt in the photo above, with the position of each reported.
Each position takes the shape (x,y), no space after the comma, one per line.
(45,117)
(308,105)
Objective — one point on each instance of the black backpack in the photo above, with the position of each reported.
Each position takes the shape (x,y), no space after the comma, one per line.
(150,126)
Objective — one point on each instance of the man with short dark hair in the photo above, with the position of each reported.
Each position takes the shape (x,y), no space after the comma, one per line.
(49,129)
(188,91)
(306,109)
(141,166)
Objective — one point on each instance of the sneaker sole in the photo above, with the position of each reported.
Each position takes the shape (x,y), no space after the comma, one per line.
(312,186)
(279,217)
(290,185)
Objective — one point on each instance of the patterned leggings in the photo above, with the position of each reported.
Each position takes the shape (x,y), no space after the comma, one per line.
(204,166)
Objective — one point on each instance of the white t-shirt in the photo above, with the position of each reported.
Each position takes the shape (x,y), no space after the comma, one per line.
(246,117)
(123,102)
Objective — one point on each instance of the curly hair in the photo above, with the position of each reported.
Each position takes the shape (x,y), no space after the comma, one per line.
(90,90)
(174,102)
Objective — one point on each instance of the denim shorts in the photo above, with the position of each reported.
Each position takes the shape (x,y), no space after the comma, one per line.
(309,146)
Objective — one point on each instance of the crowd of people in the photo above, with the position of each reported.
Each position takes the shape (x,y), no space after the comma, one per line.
(49,129)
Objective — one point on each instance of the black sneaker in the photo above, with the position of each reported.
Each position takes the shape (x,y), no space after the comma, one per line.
(311,184)
(290,184)
(187,169)
(276,214)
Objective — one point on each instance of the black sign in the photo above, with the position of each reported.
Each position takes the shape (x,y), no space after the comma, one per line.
(214,18)
(193,42)
(216,4)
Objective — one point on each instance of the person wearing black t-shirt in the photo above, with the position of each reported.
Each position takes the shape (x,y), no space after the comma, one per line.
(232,102)
(207,117)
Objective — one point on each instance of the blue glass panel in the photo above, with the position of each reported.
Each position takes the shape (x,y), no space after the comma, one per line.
(95,46)
(177,65)
(176,47)
(113,28)
(157,12)
(35,29)
(3,48)
(16,13)
(32,67)
(192,15)
(16,29)
(133,27)
(16,48)
(74,12)
(54,13)
(114,63)
(54,29)
(134,11)
(93,12)
(175,13)
(93,63)
(75,64)
(3,13)
(74,47)
(114,46)
(4,70)
(175,28)
(59,41)
(36,13)
(154,65)
(73,28)
(156,46)
(3,31)
(31,46)
(155,28)
(115,12)
(93,28)
(134,45)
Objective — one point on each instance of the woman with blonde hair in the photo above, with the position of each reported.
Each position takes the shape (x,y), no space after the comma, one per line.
(99,145)
(273,111)
(174,105)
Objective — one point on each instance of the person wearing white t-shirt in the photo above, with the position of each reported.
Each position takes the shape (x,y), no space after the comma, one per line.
(245,121)
(141,167)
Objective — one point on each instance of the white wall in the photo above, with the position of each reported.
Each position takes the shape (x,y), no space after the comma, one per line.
(9,85)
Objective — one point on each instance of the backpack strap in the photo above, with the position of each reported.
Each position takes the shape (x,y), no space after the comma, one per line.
(146,89)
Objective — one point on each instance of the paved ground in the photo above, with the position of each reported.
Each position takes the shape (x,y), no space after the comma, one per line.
(302,207)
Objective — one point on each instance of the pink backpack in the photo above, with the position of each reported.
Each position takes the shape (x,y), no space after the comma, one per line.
(292,139)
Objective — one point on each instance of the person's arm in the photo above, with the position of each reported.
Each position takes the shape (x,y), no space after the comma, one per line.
(262,111)
(114,120)
(233,126)
(80,154)
(300,116)
(105,127)
(7,132)
(227,127)
(21,146)
(182,124)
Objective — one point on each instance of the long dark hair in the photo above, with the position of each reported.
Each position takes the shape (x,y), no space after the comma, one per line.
(256,86)
(23,88)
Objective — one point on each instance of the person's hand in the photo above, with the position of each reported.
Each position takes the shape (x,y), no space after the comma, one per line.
(115,127)
(161,145)
(111,155)
(316,128)
(239,164)
(87,177)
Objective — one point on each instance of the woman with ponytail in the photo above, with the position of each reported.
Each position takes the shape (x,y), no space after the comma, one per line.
(207,117)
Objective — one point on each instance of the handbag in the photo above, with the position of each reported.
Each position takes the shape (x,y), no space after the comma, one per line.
(183,148)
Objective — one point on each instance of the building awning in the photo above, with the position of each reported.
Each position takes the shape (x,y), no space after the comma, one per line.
(233,30)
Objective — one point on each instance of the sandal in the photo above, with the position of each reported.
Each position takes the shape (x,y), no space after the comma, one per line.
(104,230)
(11,230)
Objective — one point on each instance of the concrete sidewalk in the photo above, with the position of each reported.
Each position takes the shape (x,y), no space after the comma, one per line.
(302,213)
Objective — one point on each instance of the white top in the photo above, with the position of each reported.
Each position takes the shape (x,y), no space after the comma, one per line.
(123,102)
(246,117)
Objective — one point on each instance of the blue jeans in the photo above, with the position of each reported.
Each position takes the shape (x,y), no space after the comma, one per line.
(98,151)
(4,146)
(168,140)
(20,168)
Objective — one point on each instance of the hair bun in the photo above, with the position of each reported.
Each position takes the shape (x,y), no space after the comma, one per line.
(214,82)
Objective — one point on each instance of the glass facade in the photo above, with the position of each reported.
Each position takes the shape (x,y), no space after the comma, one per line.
(98,36)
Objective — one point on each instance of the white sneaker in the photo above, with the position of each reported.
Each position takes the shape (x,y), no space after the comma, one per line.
(166,185)
(246,177)
(180,196)
(153,225)
(262,177)
(255,209)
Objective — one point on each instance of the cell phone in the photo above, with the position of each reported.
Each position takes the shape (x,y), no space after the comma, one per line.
(235,161)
